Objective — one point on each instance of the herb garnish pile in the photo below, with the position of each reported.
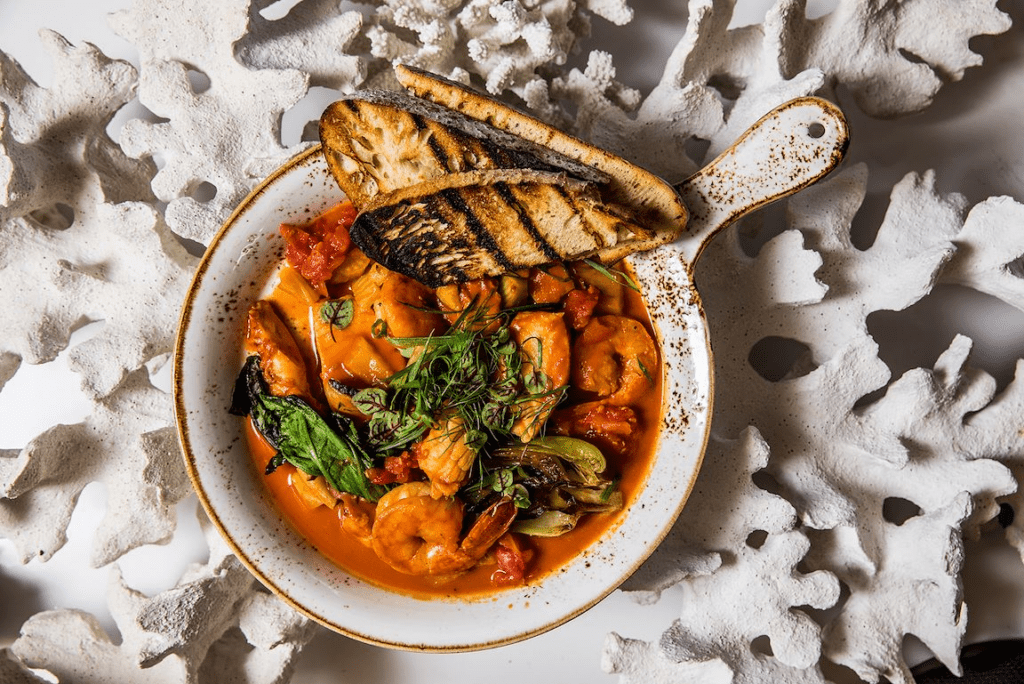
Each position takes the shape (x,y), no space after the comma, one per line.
(471,371)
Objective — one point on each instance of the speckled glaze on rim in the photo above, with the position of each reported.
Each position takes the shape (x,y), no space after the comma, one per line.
(207,358)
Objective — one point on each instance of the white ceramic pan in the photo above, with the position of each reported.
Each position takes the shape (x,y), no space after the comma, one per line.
(788,149)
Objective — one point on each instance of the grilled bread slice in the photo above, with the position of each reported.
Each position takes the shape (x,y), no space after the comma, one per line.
(452,185)
(464,226)
(376,142)
(652,202)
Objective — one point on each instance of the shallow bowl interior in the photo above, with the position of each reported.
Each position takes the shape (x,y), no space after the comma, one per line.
(232,274)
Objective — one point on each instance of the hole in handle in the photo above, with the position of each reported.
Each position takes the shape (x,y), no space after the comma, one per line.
(816,130)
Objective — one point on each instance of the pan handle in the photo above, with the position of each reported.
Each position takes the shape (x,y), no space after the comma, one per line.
(789,148)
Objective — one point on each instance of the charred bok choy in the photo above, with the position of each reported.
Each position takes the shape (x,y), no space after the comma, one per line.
(560,477)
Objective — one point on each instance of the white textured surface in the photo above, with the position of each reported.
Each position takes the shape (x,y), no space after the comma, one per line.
(835,461)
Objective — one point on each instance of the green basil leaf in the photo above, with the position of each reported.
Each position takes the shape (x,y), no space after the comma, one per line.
(308,441)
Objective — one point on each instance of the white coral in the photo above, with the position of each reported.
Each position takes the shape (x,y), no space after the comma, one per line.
(735,551)
(725,508)
(839,463)
(504,43)
(183,635)
(719,79)
(83,239)
(128,445)
(989,259)
(902,58)
(226,134)
(511,41)
(55,139)
(312,37)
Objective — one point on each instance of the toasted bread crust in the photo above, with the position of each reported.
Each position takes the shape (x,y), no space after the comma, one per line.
(452,190)
(648,196)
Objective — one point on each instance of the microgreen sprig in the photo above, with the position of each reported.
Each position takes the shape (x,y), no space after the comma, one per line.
(337,313)
(473,370)
(612,274)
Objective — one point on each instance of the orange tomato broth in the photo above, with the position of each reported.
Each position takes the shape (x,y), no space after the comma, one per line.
(321,526)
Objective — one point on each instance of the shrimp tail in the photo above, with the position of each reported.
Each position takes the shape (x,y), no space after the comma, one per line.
(489,527)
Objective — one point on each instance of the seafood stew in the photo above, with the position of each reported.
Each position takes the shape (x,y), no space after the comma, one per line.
(234,273)
(452,440)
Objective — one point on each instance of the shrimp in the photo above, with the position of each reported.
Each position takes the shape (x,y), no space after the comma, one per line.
(313,491)
(285,372)
(615,357)
(280,358)
(356,517)
(543,342)
(401,303)
(417,534)
(445,457)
